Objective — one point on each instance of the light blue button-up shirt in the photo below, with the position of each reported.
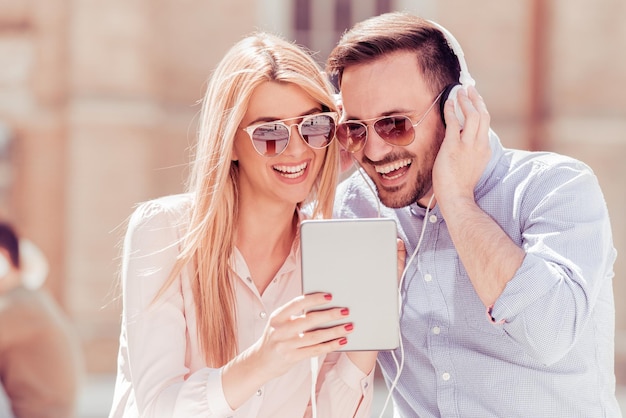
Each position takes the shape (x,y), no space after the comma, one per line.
(548,351)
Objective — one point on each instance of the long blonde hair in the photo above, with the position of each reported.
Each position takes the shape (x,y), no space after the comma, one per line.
(209,243)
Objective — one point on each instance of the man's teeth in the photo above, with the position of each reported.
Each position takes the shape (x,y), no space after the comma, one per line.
(291,171)
(396,165)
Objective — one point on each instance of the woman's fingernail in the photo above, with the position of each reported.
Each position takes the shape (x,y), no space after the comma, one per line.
(328,296)
(348,327)
(345,311)
(343,341)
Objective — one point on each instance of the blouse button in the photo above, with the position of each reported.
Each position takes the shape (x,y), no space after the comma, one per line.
(445,376)
(263,314)
(259,392)
(436,330)
(428,277)
(432,219)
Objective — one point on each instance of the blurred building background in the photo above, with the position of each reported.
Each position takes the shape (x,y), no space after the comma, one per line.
(98,104)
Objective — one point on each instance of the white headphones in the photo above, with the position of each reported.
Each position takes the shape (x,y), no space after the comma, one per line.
(465,79)
(33,265)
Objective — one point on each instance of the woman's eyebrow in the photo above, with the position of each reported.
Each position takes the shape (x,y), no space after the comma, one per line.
(261,119)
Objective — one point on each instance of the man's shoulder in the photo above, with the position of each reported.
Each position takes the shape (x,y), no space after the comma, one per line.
(356,197)
(539,173)
(544,160)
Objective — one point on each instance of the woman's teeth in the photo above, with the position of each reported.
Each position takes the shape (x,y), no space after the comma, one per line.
(291,171)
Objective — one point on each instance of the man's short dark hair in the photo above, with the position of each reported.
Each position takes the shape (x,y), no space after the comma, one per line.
(393,32)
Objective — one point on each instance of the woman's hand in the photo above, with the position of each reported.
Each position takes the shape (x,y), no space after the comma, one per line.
(294,333)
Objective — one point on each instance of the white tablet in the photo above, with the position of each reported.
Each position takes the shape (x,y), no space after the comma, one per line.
(356,260)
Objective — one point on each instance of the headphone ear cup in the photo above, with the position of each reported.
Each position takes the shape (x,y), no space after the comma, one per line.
(451,92)
(442,100)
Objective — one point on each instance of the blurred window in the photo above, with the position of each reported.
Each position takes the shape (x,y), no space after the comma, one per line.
(318,25)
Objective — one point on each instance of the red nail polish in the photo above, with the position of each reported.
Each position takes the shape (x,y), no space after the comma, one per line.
(345,311)
(343,341)
(348,327)
(328,296)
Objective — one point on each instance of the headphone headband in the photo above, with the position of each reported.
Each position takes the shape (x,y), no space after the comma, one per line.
(464,78)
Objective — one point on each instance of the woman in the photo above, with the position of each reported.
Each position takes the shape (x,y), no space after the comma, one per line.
(212,323)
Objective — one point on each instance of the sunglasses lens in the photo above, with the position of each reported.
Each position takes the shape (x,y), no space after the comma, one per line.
(352,135)
(270,139)
(318,130)
(395,130)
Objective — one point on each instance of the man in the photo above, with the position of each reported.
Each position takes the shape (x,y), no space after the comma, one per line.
(507,301)
(40,361)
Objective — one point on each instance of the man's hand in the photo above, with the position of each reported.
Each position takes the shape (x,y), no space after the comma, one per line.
(464,154)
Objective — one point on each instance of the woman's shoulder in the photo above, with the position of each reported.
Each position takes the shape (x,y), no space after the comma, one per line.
(176,204)
(171,210)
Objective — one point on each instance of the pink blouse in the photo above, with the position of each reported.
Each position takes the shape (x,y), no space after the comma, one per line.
(161,370)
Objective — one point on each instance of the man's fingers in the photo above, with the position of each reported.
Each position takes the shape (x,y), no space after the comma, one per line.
(452,122)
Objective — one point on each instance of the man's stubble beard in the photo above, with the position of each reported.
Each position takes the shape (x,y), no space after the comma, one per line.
(423,180)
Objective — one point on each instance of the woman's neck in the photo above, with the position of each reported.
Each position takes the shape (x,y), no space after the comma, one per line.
(264,238)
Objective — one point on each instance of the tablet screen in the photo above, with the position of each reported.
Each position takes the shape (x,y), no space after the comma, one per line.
(356,261)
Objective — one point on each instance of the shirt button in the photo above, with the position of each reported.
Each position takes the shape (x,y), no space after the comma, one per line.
(432,219)
(249,279)
(445,376)
(263,314)
(365,385)
(436,331)
(428,277)
(259,392)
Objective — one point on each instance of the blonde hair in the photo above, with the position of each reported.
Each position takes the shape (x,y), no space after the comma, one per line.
(209,243)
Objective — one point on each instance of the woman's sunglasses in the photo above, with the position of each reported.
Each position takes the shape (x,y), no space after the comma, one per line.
(394,130)
(271,138)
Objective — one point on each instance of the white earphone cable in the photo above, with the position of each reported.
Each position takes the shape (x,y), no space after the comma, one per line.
(399,365)
(314,373)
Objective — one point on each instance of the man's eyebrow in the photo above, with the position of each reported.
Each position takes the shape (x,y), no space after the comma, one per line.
(396,111)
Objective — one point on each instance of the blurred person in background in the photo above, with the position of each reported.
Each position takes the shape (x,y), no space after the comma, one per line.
(40,360)
(212,321)
(508,304)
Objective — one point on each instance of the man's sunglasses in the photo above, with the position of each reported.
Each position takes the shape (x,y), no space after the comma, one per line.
(271,138)
(393,129)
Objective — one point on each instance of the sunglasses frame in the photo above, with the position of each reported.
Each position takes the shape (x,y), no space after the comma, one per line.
(251,128)
(366,123)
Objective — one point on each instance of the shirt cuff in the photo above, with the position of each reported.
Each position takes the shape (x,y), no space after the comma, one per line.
(491,318)
(215,394)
